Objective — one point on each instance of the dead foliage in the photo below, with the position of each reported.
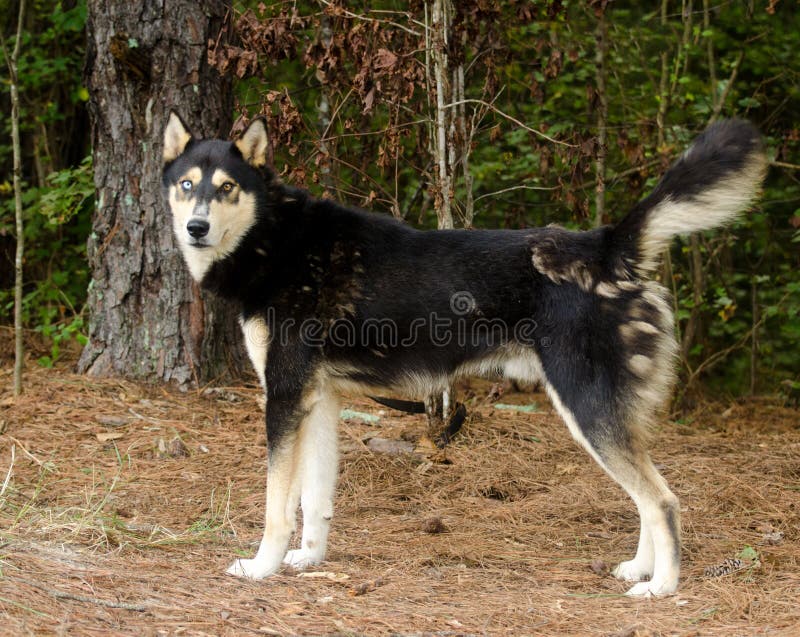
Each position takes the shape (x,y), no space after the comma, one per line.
(122,504)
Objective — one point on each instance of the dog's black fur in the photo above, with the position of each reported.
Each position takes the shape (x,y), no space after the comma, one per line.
(572,308)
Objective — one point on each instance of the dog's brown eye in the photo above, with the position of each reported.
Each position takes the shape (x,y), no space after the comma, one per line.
(227,186)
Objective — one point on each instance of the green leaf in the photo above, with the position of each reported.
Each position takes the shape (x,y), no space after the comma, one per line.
(748,553)
(525,409)
(749,102)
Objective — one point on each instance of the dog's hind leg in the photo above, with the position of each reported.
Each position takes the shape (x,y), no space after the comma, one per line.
(317,463)
(640,568)
(658,552)
(619,452)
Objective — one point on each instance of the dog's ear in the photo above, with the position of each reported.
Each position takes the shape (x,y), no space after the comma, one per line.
(253,143)
(176,137)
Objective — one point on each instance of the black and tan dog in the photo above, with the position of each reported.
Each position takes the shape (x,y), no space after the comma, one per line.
(334,298)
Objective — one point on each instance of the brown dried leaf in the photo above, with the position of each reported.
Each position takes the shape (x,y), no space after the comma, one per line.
(112,421)
(396,447)
(434,526)
(329,575)
(366,587)
(384,60)
(109,435)
(599,567)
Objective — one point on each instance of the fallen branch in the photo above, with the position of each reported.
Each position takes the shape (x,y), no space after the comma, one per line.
(140,608)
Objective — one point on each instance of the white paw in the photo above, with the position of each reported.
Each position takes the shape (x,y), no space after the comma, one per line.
(633,571)
(252,569)
(652,589)
(302,558)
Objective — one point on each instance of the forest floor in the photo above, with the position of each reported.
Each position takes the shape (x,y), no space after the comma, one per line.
(122,504)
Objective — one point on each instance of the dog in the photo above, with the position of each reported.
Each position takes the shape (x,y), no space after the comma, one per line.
(333,298)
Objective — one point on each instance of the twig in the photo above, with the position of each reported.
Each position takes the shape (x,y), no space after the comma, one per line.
(324,136)
(783,164)
(522,187)
(420,187)
(722,354)
(509,118)
(625,173)
(10,469)
(383,131)
(28,453)
(156,421)
(141,608)
(356,16)
(722,98)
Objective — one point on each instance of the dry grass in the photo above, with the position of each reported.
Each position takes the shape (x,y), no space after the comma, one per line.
(122,504)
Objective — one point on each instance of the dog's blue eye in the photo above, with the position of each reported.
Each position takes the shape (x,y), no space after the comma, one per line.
(186,185)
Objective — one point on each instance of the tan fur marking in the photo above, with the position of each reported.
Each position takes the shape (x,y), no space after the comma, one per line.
(640,365)
(229,221)
(643,326)
(220,177)
(256,340)
(181,206)
(194,174)
(176,137)
(253,143)
(233,219)
(608,290)
(629,331)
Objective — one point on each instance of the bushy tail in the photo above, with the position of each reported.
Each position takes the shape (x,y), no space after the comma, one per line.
(713,181)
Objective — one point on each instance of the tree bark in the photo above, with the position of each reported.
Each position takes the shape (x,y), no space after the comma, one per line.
(663,87)
(439,38)
(147,319)
(11,62)
(601,37)
(438,406)
(324,114)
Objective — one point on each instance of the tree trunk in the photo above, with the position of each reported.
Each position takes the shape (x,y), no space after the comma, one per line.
(438,406)
(663,87)
(601,38)
(439,39)
(11,62)
(324,115)
(147,319)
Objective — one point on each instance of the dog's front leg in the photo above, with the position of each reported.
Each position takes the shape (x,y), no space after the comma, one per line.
(282,496)
(285,382)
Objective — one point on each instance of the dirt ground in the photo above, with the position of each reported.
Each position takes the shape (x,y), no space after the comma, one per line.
(121,505)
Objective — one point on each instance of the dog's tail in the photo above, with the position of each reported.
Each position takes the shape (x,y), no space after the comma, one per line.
(713,181)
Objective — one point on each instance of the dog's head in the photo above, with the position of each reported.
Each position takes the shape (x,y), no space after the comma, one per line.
(212,189)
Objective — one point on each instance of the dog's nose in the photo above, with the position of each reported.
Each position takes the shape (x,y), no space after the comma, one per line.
(197,228)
